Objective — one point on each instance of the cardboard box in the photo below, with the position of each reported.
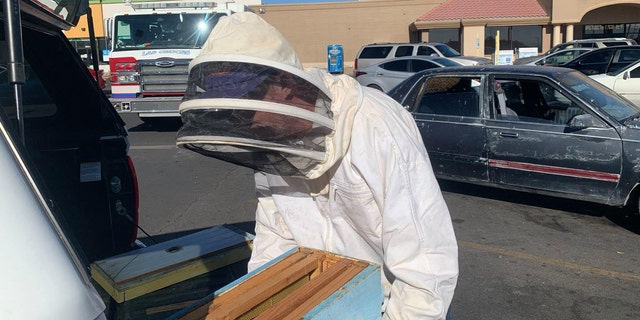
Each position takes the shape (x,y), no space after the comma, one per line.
(301,284)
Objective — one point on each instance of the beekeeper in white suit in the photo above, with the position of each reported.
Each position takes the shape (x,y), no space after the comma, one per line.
(339,167)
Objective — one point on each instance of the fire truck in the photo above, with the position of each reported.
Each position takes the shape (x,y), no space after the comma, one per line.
(151,47)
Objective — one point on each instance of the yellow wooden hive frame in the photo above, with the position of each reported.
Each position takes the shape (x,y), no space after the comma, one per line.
(288,289)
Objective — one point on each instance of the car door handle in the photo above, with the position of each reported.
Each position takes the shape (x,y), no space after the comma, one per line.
(509,134)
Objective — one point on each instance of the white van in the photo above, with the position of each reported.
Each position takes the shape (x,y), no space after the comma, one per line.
(376,52)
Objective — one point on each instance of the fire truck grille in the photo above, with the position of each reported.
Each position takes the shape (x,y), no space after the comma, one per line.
(164,75)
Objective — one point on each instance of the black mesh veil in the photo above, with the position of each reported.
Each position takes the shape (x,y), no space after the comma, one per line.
(256,116)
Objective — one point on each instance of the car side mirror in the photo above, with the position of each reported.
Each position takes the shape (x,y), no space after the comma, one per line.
(582,121)
(625,76)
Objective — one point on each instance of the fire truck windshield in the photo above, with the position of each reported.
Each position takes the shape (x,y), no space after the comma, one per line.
(159,31)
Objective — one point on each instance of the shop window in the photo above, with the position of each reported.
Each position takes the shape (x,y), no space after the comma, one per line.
(448,36)
(623,30)
(512,38)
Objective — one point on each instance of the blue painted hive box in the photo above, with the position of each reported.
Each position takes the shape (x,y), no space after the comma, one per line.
(301,284)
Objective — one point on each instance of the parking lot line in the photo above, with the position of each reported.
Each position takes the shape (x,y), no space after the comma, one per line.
(551,261)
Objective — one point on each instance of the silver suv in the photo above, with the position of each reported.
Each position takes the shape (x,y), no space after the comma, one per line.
(592,43)
(376,52)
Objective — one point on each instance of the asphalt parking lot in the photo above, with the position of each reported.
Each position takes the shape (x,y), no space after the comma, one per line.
(522,256)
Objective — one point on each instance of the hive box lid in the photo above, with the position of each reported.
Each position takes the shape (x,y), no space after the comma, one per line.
(135,273)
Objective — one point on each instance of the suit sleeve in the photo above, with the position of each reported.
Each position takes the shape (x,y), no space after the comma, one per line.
(419,244)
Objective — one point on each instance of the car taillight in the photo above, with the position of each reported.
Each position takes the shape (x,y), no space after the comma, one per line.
(136,215)
(358,73)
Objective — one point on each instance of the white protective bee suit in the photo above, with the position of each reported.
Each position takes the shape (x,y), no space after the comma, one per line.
(339,167)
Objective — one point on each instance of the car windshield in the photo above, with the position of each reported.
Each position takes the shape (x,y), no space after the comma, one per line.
(446,62)
(600,96)
(447,51)
(158,31)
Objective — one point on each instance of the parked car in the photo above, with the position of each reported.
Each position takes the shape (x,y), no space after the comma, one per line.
(69,192)
(389,73)
(376,52)
(550,130)
(605,60)
(592,44)
(554,59)
(626,81)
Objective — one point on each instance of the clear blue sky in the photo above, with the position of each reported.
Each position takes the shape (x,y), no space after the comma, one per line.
(301,1)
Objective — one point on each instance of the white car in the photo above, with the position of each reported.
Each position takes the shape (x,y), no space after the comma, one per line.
(387,74)
(377,52)
(626,81)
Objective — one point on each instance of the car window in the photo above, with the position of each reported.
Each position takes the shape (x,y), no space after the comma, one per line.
(397,65)
(403,51)
(446,62)
(614,43)
(624,58)
(628,55)
(447,51)
(559,47)
(36,102)
(376,52)
(600,56)
(453,96)
(557,58)
(532,101)
(635,73)
(425,51)
(419,65)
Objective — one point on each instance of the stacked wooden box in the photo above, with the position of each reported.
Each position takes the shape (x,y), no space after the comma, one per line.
(301,284)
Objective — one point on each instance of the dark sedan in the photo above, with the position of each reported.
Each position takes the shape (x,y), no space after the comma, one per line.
(546,130)
(605,60)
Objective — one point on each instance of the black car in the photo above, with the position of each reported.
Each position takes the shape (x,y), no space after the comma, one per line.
(545,130)
(69,135)
(605,60)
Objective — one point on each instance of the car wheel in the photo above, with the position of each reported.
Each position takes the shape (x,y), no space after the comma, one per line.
(375,86)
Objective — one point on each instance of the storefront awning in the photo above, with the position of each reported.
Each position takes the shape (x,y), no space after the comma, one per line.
(453,13)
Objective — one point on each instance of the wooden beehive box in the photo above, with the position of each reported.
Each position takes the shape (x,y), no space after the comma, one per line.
(301,284)
(163,278)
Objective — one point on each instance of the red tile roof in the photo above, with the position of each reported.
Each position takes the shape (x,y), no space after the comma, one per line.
(484,9)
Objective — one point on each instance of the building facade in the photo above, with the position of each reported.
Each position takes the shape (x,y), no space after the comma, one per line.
(470,26)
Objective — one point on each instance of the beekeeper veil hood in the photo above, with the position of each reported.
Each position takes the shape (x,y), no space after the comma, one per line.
(249,102)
